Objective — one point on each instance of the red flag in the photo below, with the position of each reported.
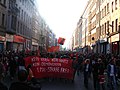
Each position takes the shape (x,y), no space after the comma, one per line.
(53,49)
(61,40)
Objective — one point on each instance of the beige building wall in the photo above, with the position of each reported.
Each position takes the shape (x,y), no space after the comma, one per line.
(92,22)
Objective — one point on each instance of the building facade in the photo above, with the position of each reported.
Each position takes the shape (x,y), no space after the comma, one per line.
(103,26)
(22,27)
(3,25)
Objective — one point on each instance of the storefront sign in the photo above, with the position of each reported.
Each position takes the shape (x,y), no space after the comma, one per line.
(115,38)
(18,39)
(2,38)
(103,40)
(34,42)
(9,38)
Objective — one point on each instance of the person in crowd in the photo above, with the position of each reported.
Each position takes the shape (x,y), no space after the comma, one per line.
(2,86)
(22,83)
(95,73)
(101,76)
(111,72)
(12,66)
(87,71)
(79,64)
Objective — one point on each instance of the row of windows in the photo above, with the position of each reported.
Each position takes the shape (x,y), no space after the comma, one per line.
(23,29)
(105,28)
(3,2)
(27,4)
(25,17)
(106,9)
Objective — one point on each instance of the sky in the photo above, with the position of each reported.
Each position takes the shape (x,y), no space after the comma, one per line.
(62,15)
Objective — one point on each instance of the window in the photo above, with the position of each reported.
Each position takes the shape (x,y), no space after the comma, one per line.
(102,13)
(112,26)
(21,28)
(18,27)
(112,6)
(13,22)
(105,10)
(3,19)
(4,2)
(108,8)
(105,28)
(115,4)
(116,24)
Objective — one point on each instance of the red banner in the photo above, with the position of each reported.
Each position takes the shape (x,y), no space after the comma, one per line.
(46,67)
(54,49)
(18,39)
(61,40)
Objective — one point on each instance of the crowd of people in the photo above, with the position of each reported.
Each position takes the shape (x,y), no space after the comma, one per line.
(103,68)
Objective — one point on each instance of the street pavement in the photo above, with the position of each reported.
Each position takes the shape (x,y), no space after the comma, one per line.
(61,84)
(78,84)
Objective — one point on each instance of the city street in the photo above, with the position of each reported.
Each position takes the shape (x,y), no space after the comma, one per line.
(61,84)
(68,85)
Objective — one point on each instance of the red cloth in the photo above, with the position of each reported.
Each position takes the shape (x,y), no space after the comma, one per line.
(61,40)
(47,67)
(101,79)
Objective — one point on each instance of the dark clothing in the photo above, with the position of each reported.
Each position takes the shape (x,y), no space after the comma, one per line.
(3,87)
(95,75)
(24,86)
(101,68)
(87,72)
(19,86)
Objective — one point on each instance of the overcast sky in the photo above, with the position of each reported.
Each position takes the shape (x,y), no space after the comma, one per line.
(62,15)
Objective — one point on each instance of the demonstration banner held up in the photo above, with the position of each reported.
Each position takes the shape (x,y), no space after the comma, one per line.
(46,67)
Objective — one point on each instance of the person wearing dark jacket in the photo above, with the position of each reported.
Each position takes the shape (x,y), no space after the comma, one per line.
(2,86)
(12,66)
(87,71)
(101,76)
(21,84)
(95,73)
(111,72)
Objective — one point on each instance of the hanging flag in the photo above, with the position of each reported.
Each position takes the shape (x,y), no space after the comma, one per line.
(61,40)
(53,49)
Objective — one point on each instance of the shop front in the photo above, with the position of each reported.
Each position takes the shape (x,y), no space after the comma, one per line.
(18,42)
(2,41)
(34,45)
(115,44)
(103,46)
(9,42)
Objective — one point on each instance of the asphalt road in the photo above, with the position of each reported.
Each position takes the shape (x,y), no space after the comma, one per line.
(62,84)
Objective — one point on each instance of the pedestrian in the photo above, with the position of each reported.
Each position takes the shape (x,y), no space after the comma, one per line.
(95,73)
(101,76)
(111,72)
(12,67)
(2,86)
(87,71)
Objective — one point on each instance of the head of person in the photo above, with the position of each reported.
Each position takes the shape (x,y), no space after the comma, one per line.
(22,75)
(99,60)
(87,61)
(112,61)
